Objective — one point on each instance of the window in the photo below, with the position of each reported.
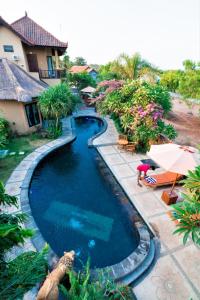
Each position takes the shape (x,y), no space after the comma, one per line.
(8,48)
(32,114)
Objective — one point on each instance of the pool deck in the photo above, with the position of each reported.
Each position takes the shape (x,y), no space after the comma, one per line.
(175,273)
(176,270)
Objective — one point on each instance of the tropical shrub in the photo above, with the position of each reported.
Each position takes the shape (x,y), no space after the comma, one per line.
(128,68)
(192,182)
(105,72)
(29,268)
(188,212)
(4,132)
(11,230)
(189,85)
(81,80)
(138,108)
(170,79)
(22,274)
(55,103)
(83,286)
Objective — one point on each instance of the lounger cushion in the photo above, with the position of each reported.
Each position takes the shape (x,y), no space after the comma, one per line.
(150,179)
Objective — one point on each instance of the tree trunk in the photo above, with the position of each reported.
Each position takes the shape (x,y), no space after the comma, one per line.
(49,290)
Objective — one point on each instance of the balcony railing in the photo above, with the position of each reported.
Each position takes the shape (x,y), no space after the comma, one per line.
(51,74)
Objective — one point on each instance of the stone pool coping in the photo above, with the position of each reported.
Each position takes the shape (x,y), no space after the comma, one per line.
(132,262)
(18,185)
(19,181)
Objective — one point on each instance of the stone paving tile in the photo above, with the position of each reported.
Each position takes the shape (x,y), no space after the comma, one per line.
(17,176)
(122,171)
(130,185)
(128,157)
(166,228)
(24,165)
(113,159)
(109,136)
(33,155)
(42,149)
(13,188)
(107,150)
(53,143)
(135,164)
(149,204)
(165,282)
(162,248)
(189,259)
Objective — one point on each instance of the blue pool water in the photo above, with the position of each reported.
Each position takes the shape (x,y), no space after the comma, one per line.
(78,205)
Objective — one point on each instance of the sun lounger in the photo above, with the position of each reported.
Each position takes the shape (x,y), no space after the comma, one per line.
(166,178)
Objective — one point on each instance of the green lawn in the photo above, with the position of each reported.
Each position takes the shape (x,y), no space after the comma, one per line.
(23,143)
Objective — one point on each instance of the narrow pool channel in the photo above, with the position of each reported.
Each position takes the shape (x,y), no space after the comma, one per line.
(78,205)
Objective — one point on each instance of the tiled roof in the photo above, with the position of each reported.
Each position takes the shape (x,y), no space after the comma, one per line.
(79,69)
(34,34)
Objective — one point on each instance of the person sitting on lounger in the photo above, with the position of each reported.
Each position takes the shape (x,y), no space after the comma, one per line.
(143,169)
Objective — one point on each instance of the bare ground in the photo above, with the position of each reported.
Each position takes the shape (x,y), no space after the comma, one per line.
(186,121)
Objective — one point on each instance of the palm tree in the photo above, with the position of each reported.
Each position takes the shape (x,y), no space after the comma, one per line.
(130,67)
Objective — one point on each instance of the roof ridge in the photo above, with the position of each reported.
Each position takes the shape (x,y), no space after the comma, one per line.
(28,18)
(16,85)
(18,20)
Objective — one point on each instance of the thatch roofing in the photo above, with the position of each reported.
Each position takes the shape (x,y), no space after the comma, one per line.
(16,84)
(88,89)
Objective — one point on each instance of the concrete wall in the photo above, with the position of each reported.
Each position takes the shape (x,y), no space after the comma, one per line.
(52,82)
(7,37)
(41,53)
(14,113)
(34,75)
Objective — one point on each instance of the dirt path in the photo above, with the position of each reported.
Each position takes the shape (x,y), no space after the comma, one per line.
(186,121)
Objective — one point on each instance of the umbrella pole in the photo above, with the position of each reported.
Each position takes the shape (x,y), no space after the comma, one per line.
(174,184)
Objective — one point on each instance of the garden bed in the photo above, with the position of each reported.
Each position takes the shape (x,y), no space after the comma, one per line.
(16,145)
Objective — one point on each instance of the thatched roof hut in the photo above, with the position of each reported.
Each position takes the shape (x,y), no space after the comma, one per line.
(18,98)
(16,84)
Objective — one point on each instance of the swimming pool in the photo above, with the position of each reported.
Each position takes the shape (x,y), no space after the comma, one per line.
(78,205)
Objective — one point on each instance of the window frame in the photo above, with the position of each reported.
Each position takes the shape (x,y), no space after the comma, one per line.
(36,114)
(11,48)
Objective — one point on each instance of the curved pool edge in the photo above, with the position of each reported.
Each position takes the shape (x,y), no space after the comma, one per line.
(118,271)
(134,265)
(19,181)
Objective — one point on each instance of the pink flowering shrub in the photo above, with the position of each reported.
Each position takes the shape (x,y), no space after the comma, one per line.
(136,107)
